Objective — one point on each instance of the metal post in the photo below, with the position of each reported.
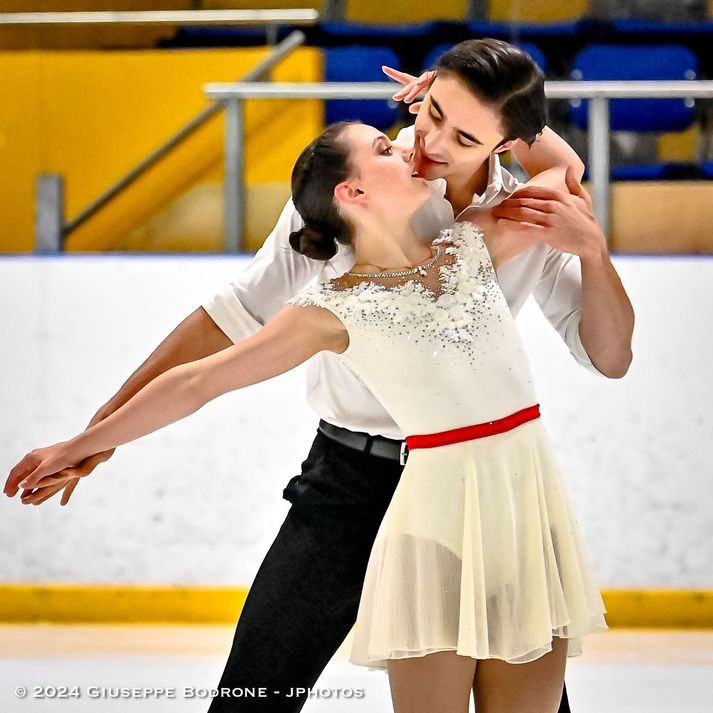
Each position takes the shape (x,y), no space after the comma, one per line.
(598,122)
(334,10)
(477,10)
(49,215)
(234,189)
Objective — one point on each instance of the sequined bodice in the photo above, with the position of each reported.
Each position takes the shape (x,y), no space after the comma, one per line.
(440,350)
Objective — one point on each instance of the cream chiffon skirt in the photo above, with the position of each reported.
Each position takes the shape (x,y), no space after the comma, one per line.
(478,553)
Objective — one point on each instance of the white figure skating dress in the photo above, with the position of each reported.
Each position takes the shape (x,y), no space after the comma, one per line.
(478,552)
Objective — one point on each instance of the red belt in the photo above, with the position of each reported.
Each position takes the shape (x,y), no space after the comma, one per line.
(469,433)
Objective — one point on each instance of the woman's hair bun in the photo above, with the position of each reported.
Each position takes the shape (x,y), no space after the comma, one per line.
(313,243)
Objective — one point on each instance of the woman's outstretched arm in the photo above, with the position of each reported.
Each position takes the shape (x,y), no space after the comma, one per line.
(294,335)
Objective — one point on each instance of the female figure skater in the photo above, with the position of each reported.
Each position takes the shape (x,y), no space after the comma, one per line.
(478,562)
(487,94)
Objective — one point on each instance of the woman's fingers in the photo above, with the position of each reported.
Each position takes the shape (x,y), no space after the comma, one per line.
(414,108)
(19,472)
(67,479)
(66,474)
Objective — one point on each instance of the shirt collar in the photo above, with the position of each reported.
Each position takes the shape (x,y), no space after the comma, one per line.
(499,181)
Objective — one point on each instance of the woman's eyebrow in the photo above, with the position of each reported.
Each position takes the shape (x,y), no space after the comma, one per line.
(382,137)
(464,134)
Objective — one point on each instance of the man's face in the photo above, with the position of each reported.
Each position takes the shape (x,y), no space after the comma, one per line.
(455,131)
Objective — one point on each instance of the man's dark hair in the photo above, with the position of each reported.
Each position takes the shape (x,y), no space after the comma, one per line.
(504,76)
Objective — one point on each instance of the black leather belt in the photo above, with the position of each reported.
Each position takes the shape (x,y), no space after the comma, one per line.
(375,445)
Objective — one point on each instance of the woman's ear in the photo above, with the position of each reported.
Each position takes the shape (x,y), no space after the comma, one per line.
(505,147)
(350,193)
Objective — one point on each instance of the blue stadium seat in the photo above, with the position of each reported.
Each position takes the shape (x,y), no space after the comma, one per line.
(707,169)
(360,64)
(533,50)
(433,55)
(536,53)
(355,31)
(624,62)
(648,62)
(658,29)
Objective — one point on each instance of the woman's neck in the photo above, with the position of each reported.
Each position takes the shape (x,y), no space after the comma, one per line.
(379,245)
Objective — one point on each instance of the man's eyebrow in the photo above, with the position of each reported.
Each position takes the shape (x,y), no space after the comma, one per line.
(464,134)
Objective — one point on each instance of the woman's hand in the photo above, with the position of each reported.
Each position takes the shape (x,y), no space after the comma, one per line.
(413,86)
(67,478)
(41,468)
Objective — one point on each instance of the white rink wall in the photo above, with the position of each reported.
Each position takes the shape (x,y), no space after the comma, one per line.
(199,502)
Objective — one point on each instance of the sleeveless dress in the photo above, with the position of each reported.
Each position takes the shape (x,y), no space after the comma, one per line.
(478,551)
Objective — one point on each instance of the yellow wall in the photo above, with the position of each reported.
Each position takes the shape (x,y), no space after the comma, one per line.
(404,10)
(537,10)
(91,116)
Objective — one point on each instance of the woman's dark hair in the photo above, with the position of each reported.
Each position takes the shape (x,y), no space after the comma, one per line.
(505,76)
(320,167)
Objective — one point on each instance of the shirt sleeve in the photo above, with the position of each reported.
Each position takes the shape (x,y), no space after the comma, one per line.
(276,273)
(559,295)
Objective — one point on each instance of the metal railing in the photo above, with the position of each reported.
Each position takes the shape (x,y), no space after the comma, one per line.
(51,228)
(233,96)
(164,17)
(269,19)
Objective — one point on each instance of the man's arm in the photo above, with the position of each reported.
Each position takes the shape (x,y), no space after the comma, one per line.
(579,291)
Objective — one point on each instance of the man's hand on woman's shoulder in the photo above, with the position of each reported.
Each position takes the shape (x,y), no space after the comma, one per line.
(564,220)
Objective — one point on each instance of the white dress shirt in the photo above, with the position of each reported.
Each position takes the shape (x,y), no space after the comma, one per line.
(277,273)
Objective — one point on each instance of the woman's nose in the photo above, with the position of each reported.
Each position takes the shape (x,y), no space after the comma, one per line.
(407,155)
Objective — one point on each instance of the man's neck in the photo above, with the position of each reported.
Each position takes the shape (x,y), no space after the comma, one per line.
(460,194)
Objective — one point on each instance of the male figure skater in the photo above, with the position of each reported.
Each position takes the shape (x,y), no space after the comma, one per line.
(304,598)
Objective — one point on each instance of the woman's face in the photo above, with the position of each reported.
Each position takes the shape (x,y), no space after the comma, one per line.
(455,131)
(382,173)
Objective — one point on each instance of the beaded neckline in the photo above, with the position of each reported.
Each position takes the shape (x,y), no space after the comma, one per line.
(419,269)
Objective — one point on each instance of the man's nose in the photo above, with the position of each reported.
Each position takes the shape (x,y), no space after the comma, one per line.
(433,143)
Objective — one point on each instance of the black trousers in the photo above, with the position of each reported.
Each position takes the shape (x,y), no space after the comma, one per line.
(305,596)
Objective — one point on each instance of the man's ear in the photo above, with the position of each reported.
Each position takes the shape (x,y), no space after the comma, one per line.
(350,193)
(505,147)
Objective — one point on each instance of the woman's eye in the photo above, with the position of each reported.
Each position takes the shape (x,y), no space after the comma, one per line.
(387,151)
(462,143)
(434,117)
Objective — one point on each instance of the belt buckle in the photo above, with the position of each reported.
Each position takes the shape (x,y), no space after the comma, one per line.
(403,454)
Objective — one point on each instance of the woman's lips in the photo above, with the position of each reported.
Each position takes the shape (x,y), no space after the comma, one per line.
(425,162)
